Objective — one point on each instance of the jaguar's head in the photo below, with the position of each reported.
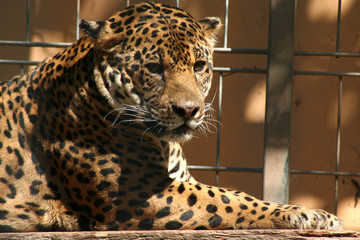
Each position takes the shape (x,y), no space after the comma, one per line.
(154,65)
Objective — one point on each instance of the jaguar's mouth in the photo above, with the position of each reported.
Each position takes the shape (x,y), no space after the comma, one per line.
(137,116)
(180,133)
(183,129)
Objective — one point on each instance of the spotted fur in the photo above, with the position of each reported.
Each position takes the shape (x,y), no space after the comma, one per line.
(89,140)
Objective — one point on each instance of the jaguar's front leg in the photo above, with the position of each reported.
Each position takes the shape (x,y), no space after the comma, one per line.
(184,205)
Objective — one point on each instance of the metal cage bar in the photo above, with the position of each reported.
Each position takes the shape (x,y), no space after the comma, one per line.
(77,28)
(218,136)
(278,101)
(220,93)
(338,133)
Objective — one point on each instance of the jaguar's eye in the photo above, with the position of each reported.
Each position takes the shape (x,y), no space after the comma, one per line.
(154,68)
(199,66)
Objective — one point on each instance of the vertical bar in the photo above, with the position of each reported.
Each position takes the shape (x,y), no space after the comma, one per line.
(226,23)
(127,3)
(278,100)
(220,96)
(219,128)
(336,192)
(77,31)
(177,3)
(336,187)
(27,31)
(338,27)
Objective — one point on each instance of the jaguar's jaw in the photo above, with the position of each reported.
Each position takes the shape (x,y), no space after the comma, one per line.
(180,134)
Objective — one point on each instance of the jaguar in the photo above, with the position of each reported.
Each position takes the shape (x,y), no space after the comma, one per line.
(90,138)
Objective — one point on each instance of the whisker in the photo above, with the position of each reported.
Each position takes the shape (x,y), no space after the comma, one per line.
(136,114)
(142,135)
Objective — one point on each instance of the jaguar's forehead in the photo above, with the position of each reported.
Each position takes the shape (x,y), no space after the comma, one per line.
(155,24)
(158,16)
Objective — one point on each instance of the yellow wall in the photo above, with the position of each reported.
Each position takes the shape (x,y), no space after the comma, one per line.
(314,104)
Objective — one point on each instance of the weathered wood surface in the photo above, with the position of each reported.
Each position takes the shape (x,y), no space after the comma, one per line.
(187,234)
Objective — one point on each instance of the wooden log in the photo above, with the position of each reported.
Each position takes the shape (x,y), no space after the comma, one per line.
(186,234)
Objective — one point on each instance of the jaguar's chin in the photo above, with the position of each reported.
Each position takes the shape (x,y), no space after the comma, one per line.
(180,134)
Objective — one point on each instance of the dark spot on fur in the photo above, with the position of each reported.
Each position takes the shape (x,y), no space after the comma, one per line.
(192,199)
(215,221)
(163,212)
(173,225)
(187,215)
(146,224)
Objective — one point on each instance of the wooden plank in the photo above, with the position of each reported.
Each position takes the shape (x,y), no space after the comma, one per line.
(186,234)
(278,101)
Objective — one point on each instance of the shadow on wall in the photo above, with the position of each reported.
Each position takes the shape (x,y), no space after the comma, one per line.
(314,112)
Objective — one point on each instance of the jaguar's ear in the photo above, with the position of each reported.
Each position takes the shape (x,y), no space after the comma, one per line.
(211,25)
(92,28)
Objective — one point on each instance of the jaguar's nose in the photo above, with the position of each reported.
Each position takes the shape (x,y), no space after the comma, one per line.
(185,112)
